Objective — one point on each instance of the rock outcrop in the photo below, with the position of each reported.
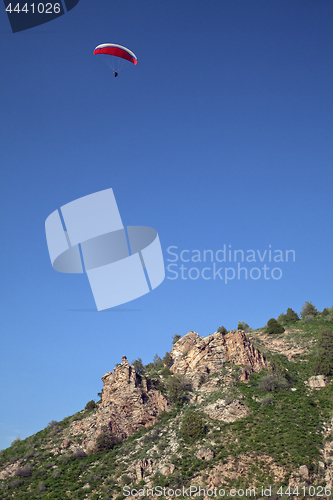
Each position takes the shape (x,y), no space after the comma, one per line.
(220,410)
(127,404)
(144,467)
(317,382)
(194,355)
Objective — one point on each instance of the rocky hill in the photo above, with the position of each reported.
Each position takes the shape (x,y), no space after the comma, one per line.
(128,403)
(228,411)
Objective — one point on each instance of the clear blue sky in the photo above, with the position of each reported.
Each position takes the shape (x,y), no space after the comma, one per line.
(221,135)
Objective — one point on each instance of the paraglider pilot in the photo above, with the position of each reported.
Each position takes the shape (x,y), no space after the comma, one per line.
(117,51)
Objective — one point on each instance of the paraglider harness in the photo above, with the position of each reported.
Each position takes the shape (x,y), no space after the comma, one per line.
(115,73)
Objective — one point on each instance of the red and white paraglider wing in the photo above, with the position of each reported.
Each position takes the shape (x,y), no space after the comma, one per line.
(113,49)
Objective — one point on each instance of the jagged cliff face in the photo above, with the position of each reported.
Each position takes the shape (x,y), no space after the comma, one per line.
(194,355)
(127,404)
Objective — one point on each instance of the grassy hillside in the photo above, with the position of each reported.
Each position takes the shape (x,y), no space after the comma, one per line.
(287,426)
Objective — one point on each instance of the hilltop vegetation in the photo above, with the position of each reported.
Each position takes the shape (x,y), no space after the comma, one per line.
(272,428)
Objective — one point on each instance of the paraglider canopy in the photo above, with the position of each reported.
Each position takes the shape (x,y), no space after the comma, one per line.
(113,49)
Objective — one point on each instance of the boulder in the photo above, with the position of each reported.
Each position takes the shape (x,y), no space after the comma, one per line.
(166,469)
(66,443)
(205,454)
(304,471)
(317,382)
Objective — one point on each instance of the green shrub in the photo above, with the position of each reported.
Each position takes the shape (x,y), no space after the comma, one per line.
(323,363)
(222,330)
(148,368)
(151,437)
(308,309)
(325,312)
(126,479)
(282,318)
(166,372)
(138,365)
(229,399)
(162,445)
(291,316)
(90,405)
(79,453)
(274,327)
(15,483)
(266,400)
(243,326)
(157,361)
(202,379)
(277,368)
(177,388)
(192,428)
(167,360)
(40,472)
(104,442)
(52,424)
(41,487)
(24,471)
(323,366)
(175,339)
(165,416)
(272,383)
